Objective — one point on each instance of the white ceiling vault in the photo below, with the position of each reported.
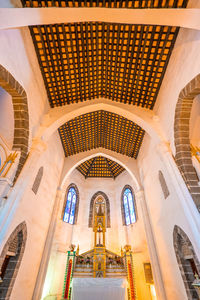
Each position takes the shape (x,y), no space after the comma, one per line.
(106,59)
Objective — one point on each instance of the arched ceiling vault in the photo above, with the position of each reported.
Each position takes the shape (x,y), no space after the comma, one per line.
(129,164)
(100,166)
(22,17)
(101,129)
(83,61)
(57,116)
(86,60)
(120,62)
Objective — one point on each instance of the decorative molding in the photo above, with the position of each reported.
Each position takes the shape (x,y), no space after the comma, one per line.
(163,184)
(91,213)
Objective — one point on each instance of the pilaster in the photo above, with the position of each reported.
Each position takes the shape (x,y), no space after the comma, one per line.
(157,273)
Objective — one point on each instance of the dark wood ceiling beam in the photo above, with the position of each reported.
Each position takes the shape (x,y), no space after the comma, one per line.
(126,59)
(104,167)
(140,61)
(74,75)
(90,168)
(167,59)
(59,60)
(145,88)
(107,163)
(137,62)
(142,4)
(131,59)
(101,129)
(153,62)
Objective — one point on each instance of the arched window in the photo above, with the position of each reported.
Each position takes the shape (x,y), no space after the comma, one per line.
(128,206)
(70,211)
(95,197)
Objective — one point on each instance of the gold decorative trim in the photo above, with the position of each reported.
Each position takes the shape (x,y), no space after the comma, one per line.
(195,152)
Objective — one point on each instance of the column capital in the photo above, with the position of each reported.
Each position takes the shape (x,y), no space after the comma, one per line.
(38,145)
(139,195)
(163,147)
(60,192)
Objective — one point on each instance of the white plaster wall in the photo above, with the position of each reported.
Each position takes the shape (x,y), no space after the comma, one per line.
(164,215)
(87,188)
(193,4)
(133,235)
(6,3)
(17,55)
(116,237)
(36,210)
(6,118)
(184,65)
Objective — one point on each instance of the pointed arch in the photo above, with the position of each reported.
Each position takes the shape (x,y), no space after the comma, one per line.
(99,193)
(72,185)
(181,137)
(21,115)
(10,259)
(187,260)
(129,164)
(122,204)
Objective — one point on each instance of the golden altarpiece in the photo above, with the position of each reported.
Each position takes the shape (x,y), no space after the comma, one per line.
(99,261)
(99,228)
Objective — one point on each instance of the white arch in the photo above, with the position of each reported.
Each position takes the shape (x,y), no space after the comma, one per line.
(19,17)
(143,117)
(130,164)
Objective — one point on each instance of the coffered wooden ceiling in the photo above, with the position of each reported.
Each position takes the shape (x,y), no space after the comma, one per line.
(100,166)
(89,60)
(83,61)
(101,129)
(107,3)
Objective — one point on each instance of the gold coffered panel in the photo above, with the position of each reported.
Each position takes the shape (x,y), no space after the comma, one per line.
(100,166)
(107,3)
(101,129)
(84,61)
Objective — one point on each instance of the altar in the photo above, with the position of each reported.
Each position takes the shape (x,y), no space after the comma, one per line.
(99,274)
(99,289)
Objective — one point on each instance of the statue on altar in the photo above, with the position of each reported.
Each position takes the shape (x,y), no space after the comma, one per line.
(99,237)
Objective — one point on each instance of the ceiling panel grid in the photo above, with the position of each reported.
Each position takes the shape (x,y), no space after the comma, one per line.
(107,3)
(100,166)
(101,129)
(121,62)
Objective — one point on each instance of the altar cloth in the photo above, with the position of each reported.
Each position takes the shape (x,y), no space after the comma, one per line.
(99,289)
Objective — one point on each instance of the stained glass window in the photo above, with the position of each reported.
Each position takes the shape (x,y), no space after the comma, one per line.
(70,207)
(129,207)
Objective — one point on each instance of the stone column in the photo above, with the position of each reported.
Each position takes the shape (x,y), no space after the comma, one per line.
(157,273)
(37,293)
(11,204)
